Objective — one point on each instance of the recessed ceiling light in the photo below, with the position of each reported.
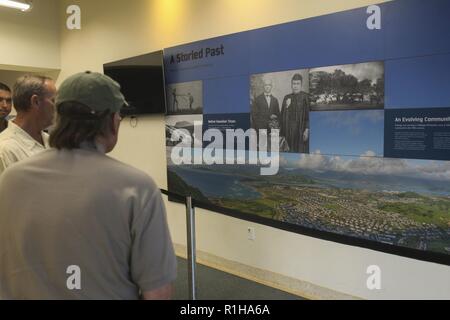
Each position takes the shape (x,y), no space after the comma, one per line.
(16,5)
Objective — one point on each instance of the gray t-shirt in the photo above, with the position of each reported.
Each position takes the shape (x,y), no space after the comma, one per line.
(81,208)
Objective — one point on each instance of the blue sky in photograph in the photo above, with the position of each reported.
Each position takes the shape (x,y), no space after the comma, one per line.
(353,132)
(366,164)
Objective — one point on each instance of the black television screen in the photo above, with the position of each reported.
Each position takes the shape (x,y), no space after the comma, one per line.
(142,81)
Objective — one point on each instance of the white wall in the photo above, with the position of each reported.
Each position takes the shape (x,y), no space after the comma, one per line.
(9,77)
(116,29)
(30,40)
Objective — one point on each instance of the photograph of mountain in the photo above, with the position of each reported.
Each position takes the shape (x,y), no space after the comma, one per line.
(393,201)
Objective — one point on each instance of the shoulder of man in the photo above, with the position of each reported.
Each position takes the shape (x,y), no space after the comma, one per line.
(258,102)
(130,174)
(5,134)
(304,94)
(9,146)
(10,154)
(261,97)
(288,96)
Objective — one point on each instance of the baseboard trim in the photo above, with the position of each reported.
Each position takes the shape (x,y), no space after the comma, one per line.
(271,279)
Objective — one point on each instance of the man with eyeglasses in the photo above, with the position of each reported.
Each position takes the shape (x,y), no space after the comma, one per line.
(34,101)
(5,105)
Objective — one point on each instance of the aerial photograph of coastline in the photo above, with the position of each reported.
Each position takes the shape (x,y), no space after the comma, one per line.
(393,201)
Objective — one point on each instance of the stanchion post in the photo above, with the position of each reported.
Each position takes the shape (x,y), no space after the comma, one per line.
(191,248)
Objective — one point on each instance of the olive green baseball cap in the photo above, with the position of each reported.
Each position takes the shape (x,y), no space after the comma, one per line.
(94,90)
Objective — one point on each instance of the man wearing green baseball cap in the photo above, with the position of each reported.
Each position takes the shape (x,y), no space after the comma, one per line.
(91,227)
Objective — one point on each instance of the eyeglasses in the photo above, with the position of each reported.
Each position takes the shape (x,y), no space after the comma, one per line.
(7,100)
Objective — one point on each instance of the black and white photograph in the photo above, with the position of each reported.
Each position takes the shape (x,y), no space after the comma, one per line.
(185,98)
(190,123)
(280,100)
(347,87)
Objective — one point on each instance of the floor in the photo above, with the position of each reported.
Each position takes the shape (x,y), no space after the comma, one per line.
(213,284)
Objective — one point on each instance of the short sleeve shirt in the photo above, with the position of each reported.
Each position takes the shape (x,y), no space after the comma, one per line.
(16,145)
(84,209)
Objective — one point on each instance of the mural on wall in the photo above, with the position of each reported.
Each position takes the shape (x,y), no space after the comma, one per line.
(394,201)
(185,98)
(281,101)
(363,118)
(348,87)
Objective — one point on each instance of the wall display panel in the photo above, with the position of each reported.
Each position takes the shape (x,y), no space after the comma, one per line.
(226,95)
(348,87)
(280,101)
(350,132)
(187,125)
(416,28)
(213,58)
(185,98)
(394,201)
(419,82)
(418,133)
(363,120)
(310,42)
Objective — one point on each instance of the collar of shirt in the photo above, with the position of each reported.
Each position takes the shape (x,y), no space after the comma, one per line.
(3,124)
(93,146)
(23,136)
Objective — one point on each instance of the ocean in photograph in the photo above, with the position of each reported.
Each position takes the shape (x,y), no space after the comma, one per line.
(366,197)
(215,184)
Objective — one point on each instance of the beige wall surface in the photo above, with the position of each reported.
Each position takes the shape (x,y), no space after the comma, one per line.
(114,29)
(30,39)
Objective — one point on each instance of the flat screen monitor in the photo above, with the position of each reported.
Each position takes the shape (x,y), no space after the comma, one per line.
(142,81)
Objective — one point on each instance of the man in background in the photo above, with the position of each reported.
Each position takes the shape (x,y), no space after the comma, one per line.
(83,211)
(295,117)
(5,105)
(191,100)
(34,100)
(263,107)
(175,100)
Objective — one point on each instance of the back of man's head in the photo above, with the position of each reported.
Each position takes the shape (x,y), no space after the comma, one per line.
(87,108)
(25,88)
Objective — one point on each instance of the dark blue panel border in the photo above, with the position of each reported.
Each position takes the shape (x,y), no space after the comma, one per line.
(416,27)
(340,38)
(410,28)
(226,95)
(419,82)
